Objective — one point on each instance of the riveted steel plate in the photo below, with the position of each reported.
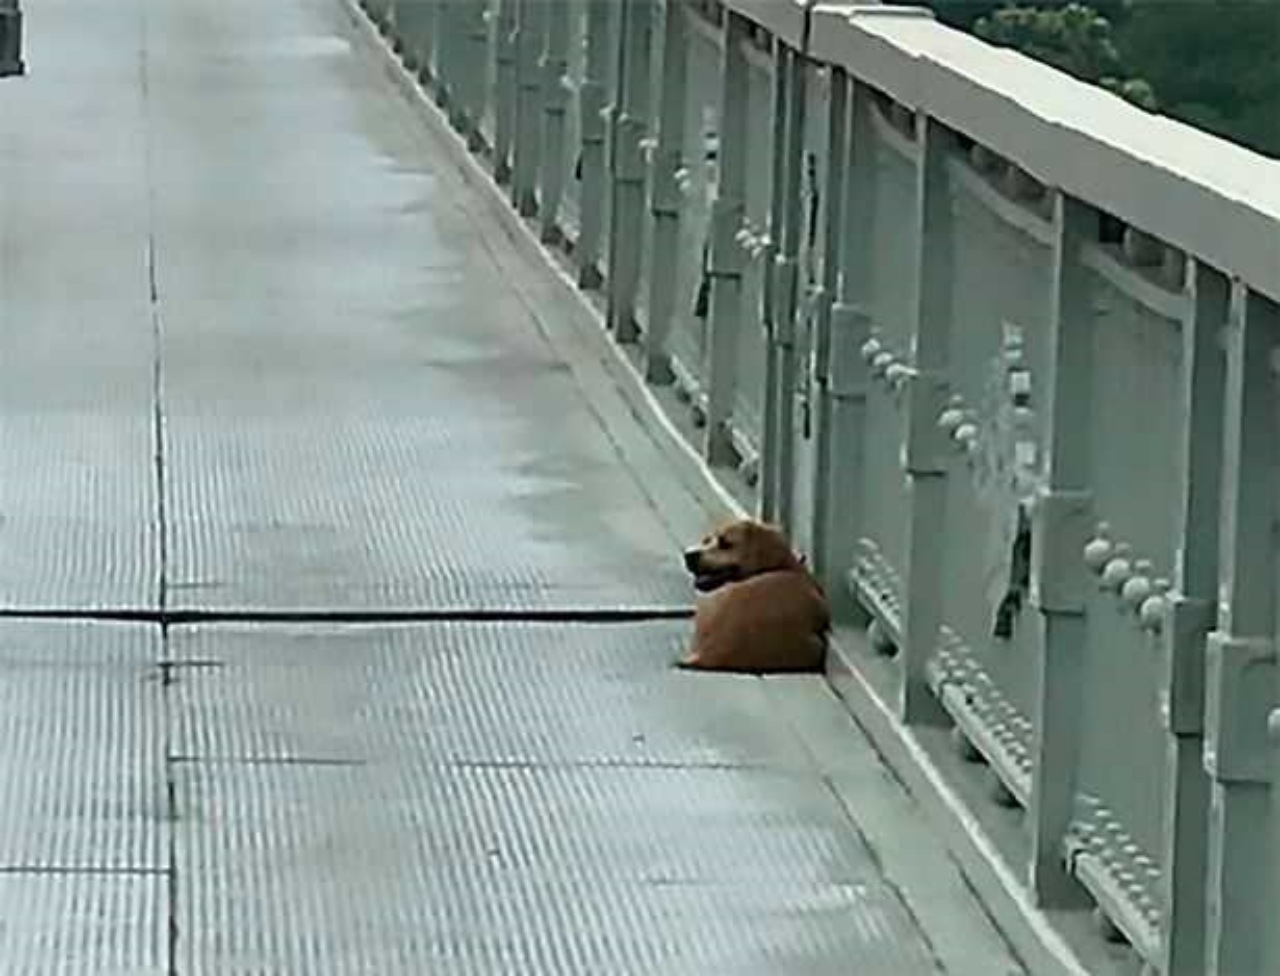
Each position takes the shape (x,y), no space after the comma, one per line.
(82,778)
(84,924)
(392,869)
(487,693)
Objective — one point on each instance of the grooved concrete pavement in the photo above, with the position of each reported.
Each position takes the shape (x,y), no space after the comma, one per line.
(260,351)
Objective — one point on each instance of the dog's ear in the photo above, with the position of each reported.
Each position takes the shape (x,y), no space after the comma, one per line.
(766,548)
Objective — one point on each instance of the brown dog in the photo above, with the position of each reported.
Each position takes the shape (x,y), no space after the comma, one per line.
(763,611)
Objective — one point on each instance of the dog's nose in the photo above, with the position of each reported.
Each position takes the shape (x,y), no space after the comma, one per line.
(692,559)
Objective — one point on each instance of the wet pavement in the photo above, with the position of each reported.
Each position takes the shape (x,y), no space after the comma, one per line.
(261,353)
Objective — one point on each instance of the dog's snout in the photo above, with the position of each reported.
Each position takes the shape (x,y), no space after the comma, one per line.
(692,560)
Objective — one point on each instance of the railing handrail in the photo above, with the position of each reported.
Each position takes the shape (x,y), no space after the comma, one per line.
(1213,199)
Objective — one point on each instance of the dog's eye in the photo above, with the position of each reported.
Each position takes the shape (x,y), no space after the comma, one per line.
(722,542)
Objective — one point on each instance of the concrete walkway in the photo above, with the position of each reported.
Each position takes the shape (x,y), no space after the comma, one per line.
(263,357)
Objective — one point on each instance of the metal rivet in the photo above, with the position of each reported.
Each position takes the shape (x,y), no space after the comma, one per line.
(1135,590)
(1116,571)
(1098,549)
(950,419)
(1152,612)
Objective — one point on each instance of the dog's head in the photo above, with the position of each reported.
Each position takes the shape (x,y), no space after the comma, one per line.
(736,551)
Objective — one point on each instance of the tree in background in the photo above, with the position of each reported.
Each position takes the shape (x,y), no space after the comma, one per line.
(1214,64)
(1074,38)
(965,13)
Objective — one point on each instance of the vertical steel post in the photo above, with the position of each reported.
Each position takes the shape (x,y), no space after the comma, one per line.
(467,69)
(771,304)
(665,193)
(414,34)
(474,31)
(555,100)
(727,257)
(507,92)
(626,227)
(592,100)
(1241,652)
(1059,579)
(1273,844)
(446,45)
(379,12)
(833,226)
(928,454)
(1189,619)
(850,330)
(787,293)
(528,120)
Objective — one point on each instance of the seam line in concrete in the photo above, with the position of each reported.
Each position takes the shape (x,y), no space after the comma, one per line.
(66,870)
(158,466)
(178,618)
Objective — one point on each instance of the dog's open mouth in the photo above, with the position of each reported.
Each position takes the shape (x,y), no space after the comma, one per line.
(713,579)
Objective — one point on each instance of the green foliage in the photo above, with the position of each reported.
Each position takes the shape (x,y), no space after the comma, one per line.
(1214,64)
(1074,38)
(1135,90)
(965,13)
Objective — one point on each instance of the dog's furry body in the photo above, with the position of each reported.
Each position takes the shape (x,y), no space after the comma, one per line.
(763,611)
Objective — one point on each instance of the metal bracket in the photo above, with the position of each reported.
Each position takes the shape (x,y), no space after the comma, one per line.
(786,271)
(1239,701)
(928,448)
(725,259)
(846,369)
(1185,630)
(630,164)
(1060,530)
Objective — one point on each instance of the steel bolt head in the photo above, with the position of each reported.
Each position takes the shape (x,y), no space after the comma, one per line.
(1115,573)
(1135,590)
(1152,612)
(950,419)
(1096,553)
